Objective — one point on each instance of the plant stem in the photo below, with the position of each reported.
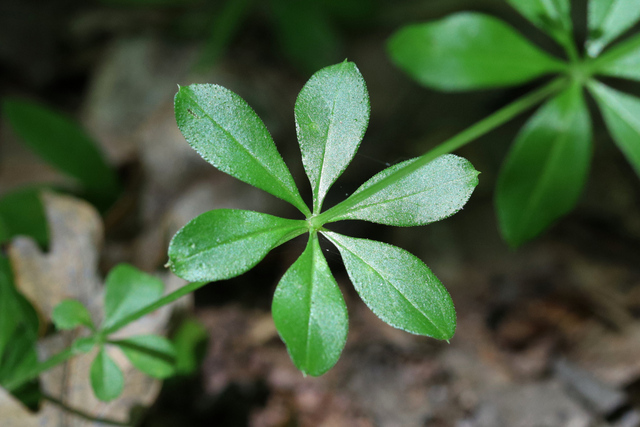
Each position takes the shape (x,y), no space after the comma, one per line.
(54,360)
(67,353)
(167,299)
(470,134)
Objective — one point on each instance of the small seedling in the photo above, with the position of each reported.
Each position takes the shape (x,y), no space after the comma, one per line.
(331,115)
(544,173)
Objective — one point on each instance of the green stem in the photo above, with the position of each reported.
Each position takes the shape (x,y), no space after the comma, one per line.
(67,353)
(167,299)
(470,134)
(51,362)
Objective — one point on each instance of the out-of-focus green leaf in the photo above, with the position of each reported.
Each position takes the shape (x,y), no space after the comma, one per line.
(468,51)
(225,243)
(64,144)
(607,20)
(552,16)
(310,313)
(305,34)
(128,290)
(152,354)
(622,114)
(622,60)
(332,114)
(397,286)
(70,314)
(107,380)
(225,26)
(545,171)
(434,192)
(190,343)
(227,133)
(22,214)
(18,327)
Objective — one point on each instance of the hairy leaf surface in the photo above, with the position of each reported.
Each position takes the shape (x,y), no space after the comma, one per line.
(622,114)
(468,51)
(227,133)
(225,243)
(332,114)
(128,290)
(397,286)
(310,313)
(607,20)
(435,191)
(546,168)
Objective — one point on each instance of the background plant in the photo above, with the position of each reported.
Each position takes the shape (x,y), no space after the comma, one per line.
(545,171)
(332,114)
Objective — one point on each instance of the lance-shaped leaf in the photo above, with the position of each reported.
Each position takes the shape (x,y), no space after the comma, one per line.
(152,354)
(622,114)
(70,314)
(622,60)
(546,169)
(63,144)
(468,51)
(128,290)
(310,313)
(332,113)
(227,133)
(225,243)
(607,20)
(107,380)
(398,287)
(435,191)
(551,16)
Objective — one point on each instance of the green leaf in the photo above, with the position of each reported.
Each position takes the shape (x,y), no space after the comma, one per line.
(127,291)
(305,34)
(434,192)
(545,171)
(22,214)
(551,16)
(63,144)
(190,342)
(622,60)
(310,313)
(397,286)
(107,380)
(70,314)
(18,326)
(621,112)
(332,114)
(227,133)
(152,354)
(84,345)
(607,20)
(468,51)
(225,243)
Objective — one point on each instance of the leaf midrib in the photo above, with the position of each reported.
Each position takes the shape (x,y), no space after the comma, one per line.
(360,207)
(252,156)
(235,239)
(379,274)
